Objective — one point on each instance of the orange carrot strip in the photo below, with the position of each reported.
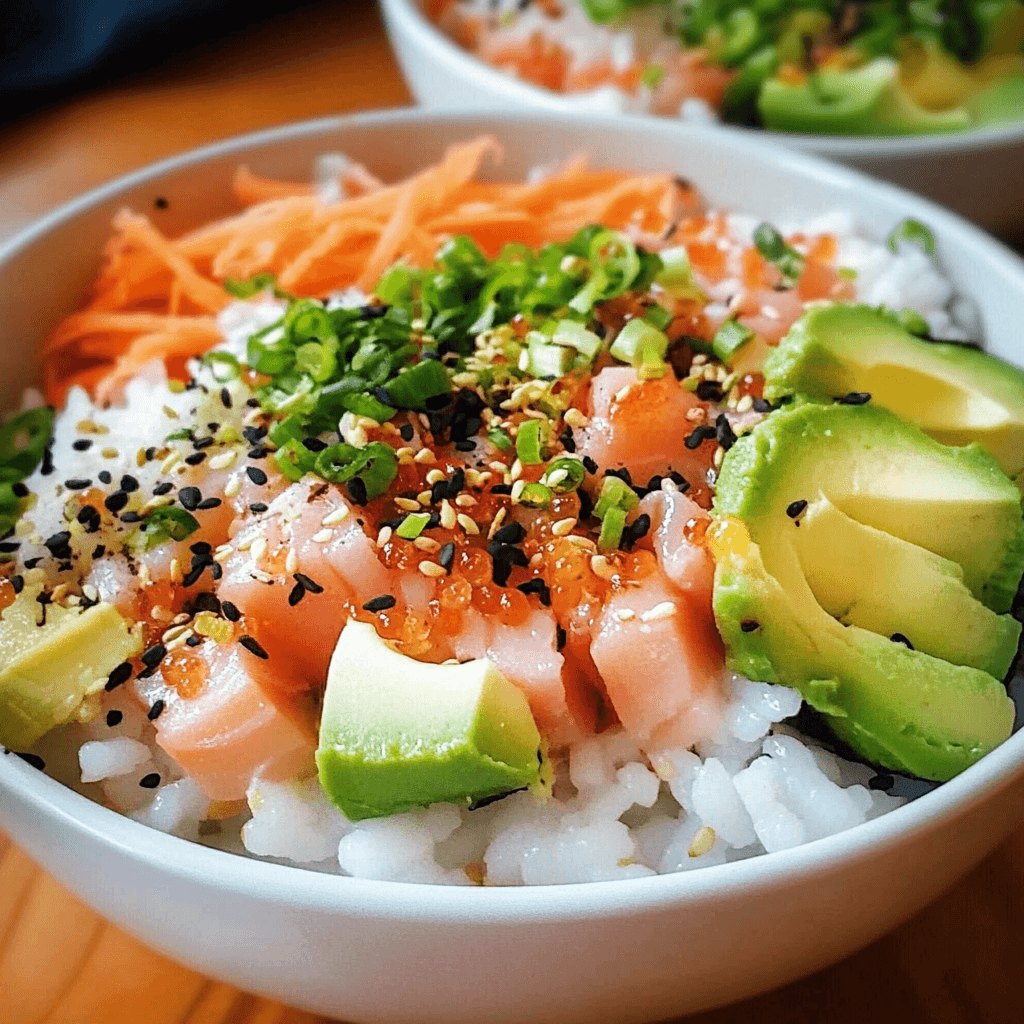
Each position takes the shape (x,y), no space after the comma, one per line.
(249,189)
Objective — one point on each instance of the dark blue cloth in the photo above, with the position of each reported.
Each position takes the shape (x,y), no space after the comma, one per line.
(50,46)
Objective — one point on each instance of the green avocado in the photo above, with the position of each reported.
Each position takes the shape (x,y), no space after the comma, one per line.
(49,669)
(868,100)
(847,597)
(954,393)
(396,733)
(1002,102)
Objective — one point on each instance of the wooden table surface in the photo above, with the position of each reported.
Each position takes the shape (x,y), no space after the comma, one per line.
(957,961)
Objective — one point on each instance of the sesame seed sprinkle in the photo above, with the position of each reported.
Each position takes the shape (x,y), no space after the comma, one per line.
(252,645)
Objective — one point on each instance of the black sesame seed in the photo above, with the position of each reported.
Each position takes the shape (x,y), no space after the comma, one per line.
(32,759)
(750,625)
(18,583)
(152,657)
(311,585)
(259,452)
(19,490)
(131,517)
(680,481)
(120,675)
(560,637)
(78,483)
(82,445)
(230,610)
(253,434)
(589,464)
(47,467)
(298,592)
(539,587)
(256,475)
(252,403)
(208,503)
(225,398)
(116,501)
(501,489)
(380,604)
(699,436)
(193,641)
(201,547)
(762,405)
(156,710)
(114,717)
(883,781)
(511,533)
(438,491)
(8,547)
(465,446)
(87,513)
(190,498)
(567,440)
(203,442)
(500,572)
(438,402)
(253,647)
(457,483)
(105,476)
(192,576)
(640,526)
(161,203)
(899,638)
(150,781)
(446,556)
(357,490)
(163,488)
(406,431)
(196,459)
(129,483)
(257,507)
(724,432)
(486,801)
(97,552)
(795,509)
(57,542)
(855,398)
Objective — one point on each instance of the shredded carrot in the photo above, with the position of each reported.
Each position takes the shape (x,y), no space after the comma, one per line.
(156,297)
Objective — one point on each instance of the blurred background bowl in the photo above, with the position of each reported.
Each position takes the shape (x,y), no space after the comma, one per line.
(979,174)
(606,952)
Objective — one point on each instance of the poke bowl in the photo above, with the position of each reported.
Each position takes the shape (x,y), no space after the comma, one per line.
(970,169)
(345,937)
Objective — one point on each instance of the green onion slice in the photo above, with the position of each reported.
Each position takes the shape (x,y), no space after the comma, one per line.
(535,495)
(912,231)
(729,339)
(375,465)
(615,493)
(246,289)
(612,525)
(530,442)
(23,440)
(165,524)
(223,365)
(564,474)
(412,525)
(499,439)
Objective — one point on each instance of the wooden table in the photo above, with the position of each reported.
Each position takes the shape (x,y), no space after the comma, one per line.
(958,961)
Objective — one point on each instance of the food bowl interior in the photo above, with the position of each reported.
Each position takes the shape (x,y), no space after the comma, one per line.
(203,905)
(979,174)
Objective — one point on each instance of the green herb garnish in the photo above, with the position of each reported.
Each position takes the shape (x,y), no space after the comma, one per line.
(912,231)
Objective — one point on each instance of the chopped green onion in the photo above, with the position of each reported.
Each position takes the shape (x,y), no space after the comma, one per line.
(23,440)
(165,524)
(774,248)
(635,340)
(916,233)
(729,339)
(612,525)
(530,442)
(230,368)
(535,495)
(294,459)
(316,359)
(499,439)
(546,360)
(283,431)
(652,75)
(658,317)
(652,366)
(179,435)
(375,465)
(253,286)
(412,525)
(412,388)
(615,493)
(574,335)
(564,474)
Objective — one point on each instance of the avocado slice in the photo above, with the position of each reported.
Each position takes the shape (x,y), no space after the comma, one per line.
(954,393)
(868,100)
(398,733)
(881,506)
(49,669)
(867,578)
(1002,102)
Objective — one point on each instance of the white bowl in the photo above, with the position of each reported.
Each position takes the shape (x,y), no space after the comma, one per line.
(979,174)
(604,952)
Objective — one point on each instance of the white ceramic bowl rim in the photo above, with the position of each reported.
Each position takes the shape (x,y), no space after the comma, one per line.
(297,886)
(977,140)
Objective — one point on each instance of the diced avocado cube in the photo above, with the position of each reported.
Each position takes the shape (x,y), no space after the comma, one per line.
(49,669)
(866,101)
(954,393)
(397,733)
(846,534)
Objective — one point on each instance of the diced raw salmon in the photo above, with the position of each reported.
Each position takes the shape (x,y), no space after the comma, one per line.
(677,527)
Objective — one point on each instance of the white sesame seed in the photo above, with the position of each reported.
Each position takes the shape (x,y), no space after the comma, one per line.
(110,453)
(404,453)
(291,562)
(771,312)
(169,413)
(170,462)
(431,569)
(702,842)
(427,544)
(467,524)
(233,486)
(696,414)
(339,515)
(322,536)
(425,457)
(407,504)
(465,501)
(59,593)
(516,471)
(554,479)
(434,476)
(582,542)
(223,460)
(600,566)
(174,571)
(563,526)
(423,497)
(24,527)
(448,518)
(498,467)
(90,593)
(223,553)
(517,490)
(625,614)
(157,502)
(260,576)
(290,513)
(576,419)
(745,404)
(384,535)
(245,543)
(172,634)
(719,455)
(258,549)
(700,359)
(665,610)
(496,522)
(623,393)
